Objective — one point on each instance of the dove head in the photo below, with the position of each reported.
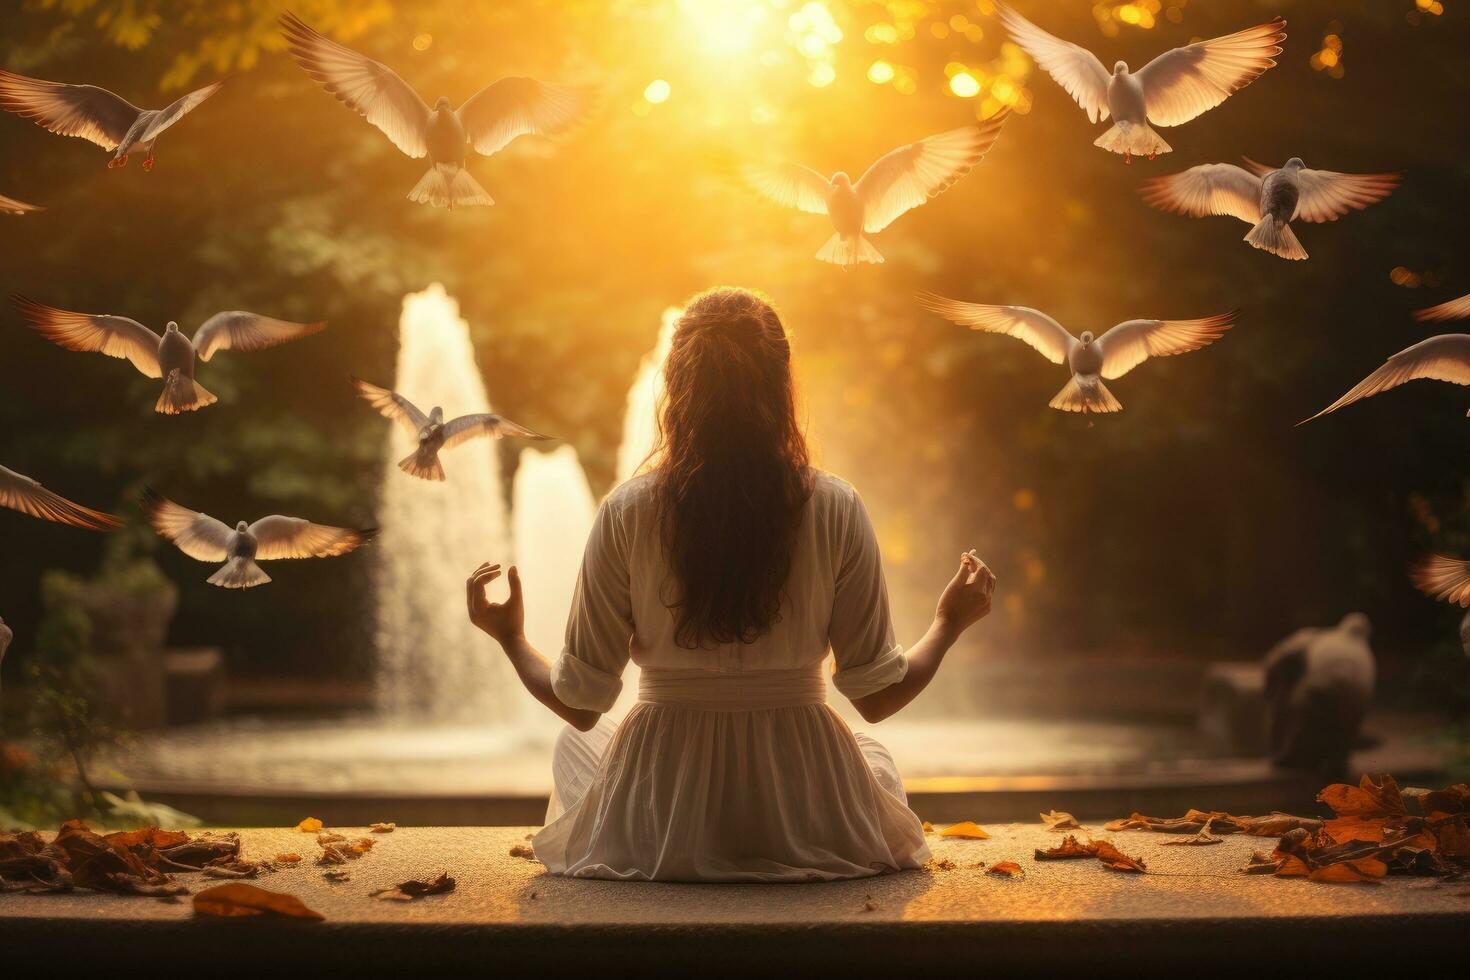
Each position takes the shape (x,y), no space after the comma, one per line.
(171,327)
(1357,624)
(1086,338)
(436,415)
(1295,163)
(242,526)
(1120,68)
(443,104)
(841,179)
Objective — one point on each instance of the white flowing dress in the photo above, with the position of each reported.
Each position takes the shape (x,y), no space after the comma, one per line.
(731,766)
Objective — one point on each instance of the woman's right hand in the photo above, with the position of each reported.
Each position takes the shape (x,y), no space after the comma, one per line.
(966,600)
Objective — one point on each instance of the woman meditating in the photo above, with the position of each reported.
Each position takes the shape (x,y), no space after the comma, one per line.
(726,573)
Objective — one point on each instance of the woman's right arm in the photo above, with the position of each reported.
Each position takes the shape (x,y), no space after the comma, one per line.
(966,600)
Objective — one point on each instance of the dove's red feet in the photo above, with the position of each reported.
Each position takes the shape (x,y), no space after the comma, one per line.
(1152,156)
(148,165)
(116,162)
(1127,158)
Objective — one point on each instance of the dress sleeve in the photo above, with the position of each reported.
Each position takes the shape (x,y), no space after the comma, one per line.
(868,658)
(588,674)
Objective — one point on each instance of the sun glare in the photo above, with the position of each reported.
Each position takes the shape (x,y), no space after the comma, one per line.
(725,27)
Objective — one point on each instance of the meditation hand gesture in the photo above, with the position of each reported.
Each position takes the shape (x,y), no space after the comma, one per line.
(966,600)
(506,620)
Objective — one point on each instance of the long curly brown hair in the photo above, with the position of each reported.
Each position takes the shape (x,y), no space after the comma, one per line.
(731,473)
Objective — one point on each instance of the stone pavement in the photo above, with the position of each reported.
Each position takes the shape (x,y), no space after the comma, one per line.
(1191,909)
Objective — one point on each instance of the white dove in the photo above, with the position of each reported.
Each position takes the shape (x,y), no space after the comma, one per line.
(1089,358)
(489,120)
(9,205)
(1174,88)
(1441,577)
(432,432)
(1442,358)
(899,181)
(170,357)
(1267,198)
(27,496)
(1455,309)
(95,114)
(202,537)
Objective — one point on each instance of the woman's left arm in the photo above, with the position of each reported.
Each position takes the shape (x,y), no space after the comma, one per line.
(506,621)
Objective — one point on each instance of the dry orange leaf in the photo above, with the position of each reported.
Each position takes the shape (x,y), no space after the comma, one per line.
(383,828)
(238,899)
(1367,869)
(1009,869)
(309,826)
(928,827)
(966,830)
(1060,820)
(1114,858)
(287,858)
(1071,847)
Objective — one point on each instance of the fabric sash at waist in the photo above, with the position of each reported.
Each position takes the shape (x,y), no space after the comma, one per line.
(754,690)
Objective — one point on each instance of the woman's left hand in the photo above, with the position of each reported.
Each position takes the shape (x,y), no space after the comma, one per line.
(506,621)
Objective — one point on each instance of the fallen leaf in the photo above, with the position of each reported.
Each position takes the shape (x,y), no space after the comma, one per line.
(329,837)
(1009,869)
(522,851)
(309,826)
(870,905)
(965,830)
(383,828)
(928,827)
(337,874)
(1059,820)
(1116,859)
(1368,869)
(409,890)
(1261,863)
(1068,848)
(240,899)
(1203,837)
(291,858)
(940,864)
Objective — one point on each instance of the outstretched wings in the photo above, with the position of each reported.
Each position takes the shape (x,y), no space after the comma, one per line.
(1455,309)
(176,110)
(242,331)
(1442,578)
(84,111)
(904,178)
(1186,82)
(1210,188)
(392,405)
(1442,358)
(1046,335)
(9,205)
(197,535)
(21,493)
(368,87)
(791,185)
(512,107)
(1074,68)
(115,336)
(279,537)
(1132,342)
(1327,196)
(467,427)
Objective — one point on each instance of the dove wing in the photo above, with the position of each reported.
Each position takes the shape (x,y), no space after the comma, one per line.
(9,205)
(512,107)
(904,178)
(392,405)
(1442,358)
(1074,68)
(197,535)
(1443,578)
(1455,309)
(177,110)
(1210,188)
(84,111)
(370,88)
(293,537)
(1186,82)
(242,331)
(1132,342)
(115,336)
(1046,335)
(27,496)
(467,427)
(791,185)
(1327,196)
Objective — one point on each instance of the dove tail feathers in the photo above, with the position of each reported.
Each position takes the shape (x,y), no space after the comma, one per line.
(424,468)
(239,573)
(449,187)
(1086,396)
(848,252)
(1276,239)
(182,393)
(1132,139)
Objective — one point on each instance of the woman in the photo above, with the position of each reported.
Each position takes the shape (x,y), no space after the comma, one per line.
(726,573)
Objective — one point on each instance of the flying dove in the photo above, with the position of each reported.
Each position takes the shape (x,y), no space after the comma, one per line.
(1088,358)
(1443,578)
(27,496)
(489,120)
(1442,358)
(9,205)
(95,114)
(1174,88)
(1455,309)
(899,181)
(432,432)
(1267,198)
(203,538)
(170,357)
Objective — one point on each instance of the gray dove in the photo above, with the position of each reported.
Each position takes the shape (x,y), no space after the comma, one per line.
(1174,88)
(1442,358)
(432,432)
(9,205)
(899,181)
(170,357)
(1268,198)
(95,114)
(271,538)
(489,120)
(21,493)
(1319,686)
(1088,358)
